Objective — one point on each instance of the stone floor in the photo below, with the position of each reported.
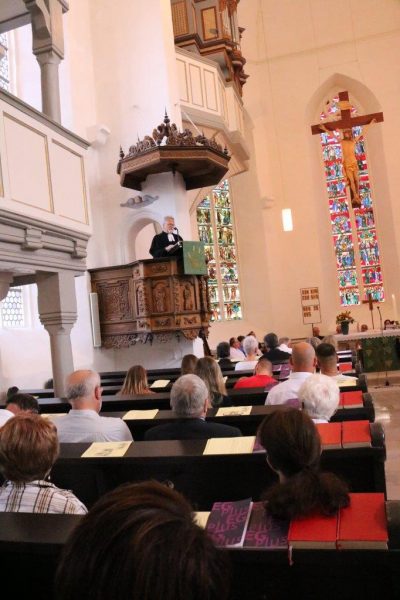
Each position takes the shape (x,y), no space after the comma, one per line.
(387,411)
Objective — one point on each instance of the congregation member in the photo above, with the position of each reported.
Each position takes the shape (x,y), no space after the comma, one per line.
(189,401)
(240,339)
(17,404)
(188,364)
(83,422)
(272,351)
(316,332)
(223,356)
(330,339)
(28,449)
(303,364)
(261,378)
(140,541)
(284,345)
(293,448)
(135,382)
(209,371)
(253,334)
(236,352)
(327,361)
(250,346)
(319,396)
(314,341)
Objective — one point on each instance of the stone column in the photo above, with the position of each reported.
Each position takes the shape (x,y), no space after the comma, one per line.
(51,105)
(48,47)
(58,313)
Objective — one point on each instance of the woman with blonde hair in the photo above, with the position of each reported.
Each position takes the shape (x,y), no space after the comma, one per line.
(135,382)
(209,371)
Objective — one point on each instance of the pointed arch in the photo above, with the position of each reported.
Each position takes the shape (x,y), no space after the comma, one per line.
(353,229)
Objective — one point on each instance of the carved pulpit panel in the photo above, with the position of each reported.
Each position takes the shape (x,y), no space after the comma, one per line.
(114,300)
(150,298)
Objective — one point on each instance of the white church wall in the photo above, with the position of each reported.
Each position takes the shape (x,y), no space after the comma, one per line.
(298,46)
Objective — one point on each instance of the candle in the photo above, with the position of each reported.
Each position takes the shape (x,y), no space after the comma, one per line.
(395,313)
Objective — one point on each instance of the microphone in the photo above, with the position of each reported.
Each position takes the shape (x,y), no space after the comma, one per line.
(380,317)
(176,232)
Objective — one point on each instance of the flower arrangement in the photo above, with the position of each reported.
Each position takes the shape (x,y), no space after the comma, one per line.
(344,316)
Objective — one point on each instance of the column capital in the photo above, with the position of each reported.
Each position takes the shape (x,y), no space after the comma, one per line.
(47,28)
(48,57)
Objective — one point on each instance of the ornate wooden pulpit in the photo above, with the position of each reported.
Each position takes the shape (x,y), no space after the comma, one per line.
(150,299)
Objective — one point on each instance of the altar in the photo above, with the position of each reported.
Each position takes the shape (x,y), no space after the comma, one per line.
(380,349)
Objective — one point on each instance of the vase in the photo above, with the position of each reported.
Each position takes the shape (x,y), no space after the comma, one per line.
(344,327)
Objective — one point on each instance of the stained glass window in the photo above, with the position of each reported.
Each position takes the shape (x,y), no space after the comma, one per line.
(216,230)
(12,309)
(4,66)
(353,229)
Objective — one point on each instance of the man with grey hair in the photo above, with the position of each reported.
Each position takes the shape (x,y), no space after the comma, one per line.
(303,363)
(284,345)
(319,396)
(250,347)
(83,422)
(189,402)
(168,242)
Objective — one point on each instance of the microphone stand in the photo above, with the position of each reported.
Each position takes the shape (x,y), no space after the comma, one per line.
(387,382)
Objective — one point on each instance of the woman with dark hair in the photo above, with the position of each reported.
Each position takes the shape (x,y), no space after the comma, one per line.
(293,448)
(188,365)
(209,371)
(223,356)
(135,382)
(140,542)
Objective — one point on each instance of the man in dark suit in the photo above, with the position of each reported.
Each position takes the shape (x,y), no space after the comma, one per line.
(273,354)
(166,243)
(189,401)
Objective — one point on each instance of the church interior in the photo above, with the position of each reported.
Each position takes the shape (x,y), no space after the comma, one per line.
(265,129)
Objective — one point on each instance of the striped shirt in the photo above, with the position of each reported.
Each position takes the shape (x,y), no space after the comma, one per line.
(39,497)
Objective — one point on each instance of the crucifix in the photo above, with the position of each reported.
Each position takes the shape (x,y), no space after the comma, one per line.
(348,142)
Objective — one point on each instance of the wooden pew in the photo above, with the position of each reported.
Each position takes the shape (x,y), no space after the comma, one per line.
(248,424)
(320,574)
(204,479)
(36,541)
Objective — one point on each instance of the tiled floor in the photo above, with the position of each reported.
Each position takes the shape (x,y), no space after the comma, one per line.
(387,411)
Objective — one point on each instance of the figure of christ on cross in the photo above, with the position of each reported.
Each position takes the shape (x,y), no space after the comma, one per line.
(348,142)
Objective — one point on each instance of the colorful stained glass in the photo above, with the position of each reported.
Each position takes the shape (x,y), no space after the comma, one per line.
(353,230)
(215,226)
(4,66)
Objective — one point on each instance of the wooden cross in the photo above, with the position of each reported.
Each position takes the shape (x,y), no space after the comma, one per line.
(346,121)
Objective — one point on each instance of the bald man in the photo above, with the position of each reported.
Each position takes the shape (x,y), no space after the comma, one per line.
(303,364)
(83,422)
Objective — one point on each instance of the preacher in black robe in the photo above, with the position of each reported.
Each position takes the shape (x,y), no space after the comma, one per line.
(164,243)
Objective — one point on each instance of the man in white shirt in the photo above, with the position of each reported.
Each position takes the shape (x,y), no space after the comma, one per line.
(83,422)
(284,345)
(303,364)
(235,351)
(327,361)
